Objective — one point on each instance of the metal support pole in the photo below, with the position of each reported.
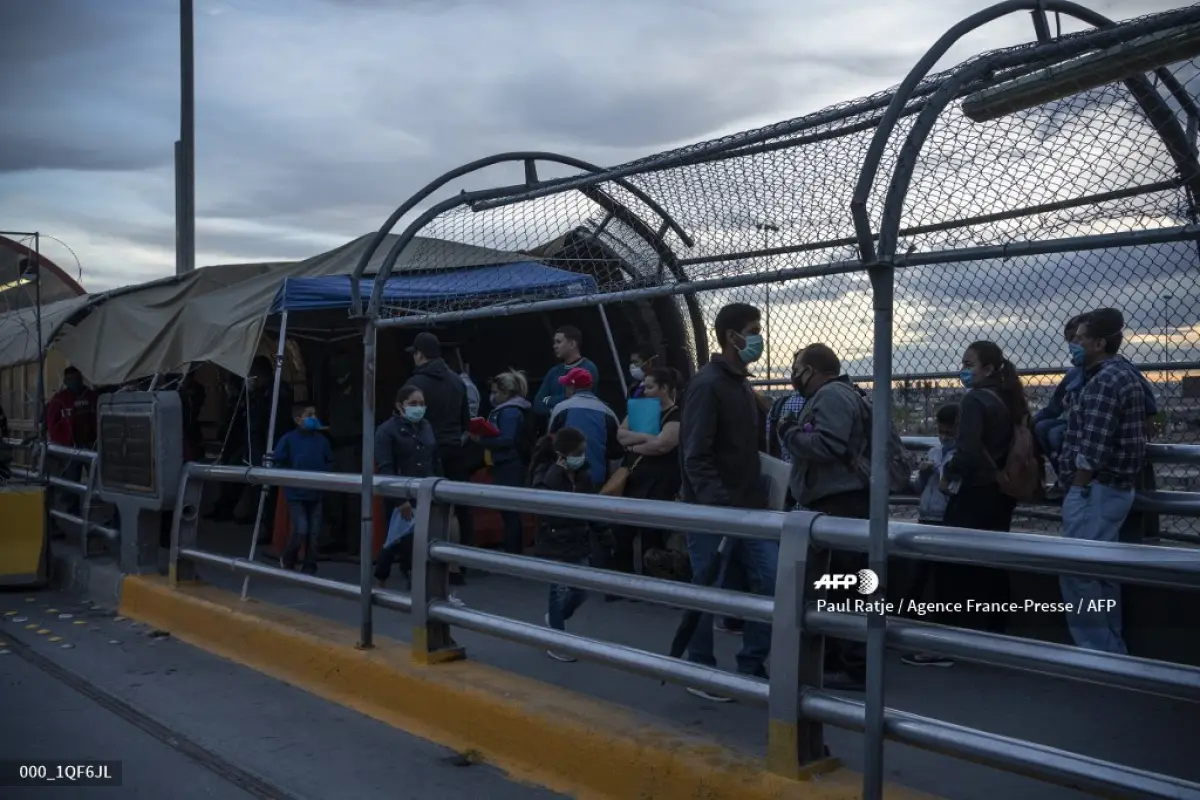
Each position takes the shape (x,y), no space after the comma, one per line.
(797,653)
(186,151)
(269,446)
(612,345)
(431,640)
(366,546)
(40,391)
(882,284)
(184,522)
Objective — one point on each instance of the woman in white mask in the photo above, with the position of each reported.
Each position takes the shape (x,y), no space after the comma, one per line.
(641,361)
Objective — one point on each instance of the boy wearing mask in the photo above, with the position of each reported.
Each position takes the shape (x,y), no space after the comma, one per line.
(305,449)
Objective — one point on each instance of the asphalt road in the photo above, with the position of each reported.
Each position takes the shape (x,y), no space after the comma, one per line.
(186,724)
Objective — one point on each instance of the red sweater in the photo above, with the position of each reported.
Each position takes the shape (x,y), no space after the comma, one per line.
(71,419)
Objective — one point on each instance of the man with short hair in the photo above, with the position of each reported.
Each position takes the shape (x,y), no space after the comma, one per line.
(826,442)
(1103,452)
(719,453)
(568,340)
(449,413)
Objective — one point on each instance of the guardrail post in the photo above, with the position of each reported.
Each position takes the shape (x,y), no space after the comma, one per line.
(184,523)
(431,640)
(796,747)
(85,505)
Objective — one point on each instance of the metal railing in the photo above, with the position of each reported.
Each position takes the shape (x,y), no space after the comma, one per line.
(38,471)
(797,704)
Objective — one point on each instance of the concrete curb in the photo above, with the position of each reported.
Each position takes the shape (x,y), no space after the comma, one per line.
(536,732)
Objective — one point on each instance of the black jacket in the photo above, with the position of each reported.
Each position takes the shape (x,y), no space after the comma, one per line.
(985,435)
(405,449)
(559,538)
(446,400)
(718,442)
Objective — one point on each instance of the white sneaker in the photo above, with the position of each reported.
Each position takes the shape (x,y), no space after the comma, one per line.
(563,657)
(455,601)
(703,695)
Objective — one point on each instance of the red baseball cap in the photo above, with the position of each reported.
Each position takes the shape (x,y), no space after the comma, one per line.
(578,377)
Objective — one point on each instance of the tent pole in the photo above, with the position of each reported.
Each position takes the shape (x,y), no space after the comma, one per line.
(613,346)
(270,445)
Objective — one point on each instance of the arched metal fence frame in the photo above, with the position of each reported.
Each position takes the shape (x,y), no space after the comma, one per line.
(878,255)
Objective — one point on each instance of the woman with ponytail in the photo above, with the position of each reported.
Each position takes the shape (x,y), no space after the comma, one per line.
(995,401)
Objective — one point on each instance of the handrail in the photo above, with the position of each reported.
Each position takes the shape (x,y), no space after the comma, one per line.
(793,692)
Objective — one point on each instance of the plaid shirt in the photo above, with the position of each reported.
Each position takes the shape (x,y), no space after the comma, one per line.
(791,409)
(1106,426)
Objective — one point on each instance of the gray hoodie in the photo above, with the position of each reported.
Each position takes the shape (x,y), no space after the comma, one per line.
(829,434)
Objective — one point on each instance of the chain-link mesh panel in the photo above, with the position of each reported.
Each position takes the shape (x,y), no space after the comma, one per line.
(764,207)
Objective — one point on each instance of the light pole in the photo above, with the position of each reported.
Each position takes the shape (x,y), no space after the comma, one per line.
(766,229)
(185,149)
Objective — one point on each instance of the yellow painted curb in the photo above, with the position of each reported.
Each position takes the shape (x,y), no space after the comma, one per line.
(536,732)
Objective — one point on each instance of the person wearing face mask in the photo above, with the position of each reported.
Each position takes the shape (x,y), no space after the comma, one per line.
(1102,457)
(719,431)
(405,446)
(994,403)
(561,466)
(71,422)
(653,461)
(641,361)
(1050,424)
(511,415)
(305,449)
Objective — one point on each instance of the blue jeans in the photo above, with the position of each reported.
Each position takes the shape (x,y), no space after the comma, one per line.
(1095,615)
(564,602)
(1050,434)
(306,524)
(760,559)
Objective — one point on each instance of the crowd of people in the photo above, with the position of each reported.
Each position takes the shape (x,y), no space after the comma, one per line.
(707,449)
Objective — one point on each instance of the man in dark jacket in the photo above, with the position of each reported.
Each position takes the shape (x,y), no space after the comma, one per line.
(344,415)
(718,448)
(449,413)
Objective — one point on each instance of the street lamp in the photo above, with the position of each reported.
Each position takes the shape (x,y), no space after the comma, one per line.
(766,229)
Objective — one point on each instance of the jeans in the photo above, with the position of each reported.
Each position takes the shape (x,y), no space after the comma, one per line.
(760,559)
(564,602)
(1095,615)
(1050,434)
(306,524)
(511,473)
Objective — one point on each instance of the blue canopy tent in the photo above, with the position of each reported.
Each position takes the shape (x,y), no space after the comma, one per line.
(523,280)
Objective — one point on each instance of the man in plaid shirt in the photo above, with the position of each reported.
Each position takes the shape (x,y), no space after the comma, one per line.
(1103,452)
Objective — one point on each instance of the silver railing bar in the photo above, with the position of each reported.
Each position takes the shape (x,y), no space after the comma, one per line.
(653,590)
(629,659)
(1049,764)
(397,601)
(1064,661)
(1156,452)
(1172,567)
(93,527)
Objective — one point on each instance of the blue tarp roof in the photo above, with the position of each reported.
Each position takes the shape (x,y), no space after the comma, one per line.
(492,284)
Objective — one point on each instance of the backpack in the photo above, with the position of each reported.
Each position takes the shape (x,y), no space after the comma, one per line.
(1023,476)
(899,465)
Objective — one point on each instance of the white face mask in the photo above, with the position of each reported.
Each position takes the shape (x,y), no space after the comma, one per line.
(636,372)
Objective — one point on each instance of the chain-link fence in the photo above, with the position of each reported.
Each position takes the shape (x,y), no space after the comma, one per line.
(1009,227)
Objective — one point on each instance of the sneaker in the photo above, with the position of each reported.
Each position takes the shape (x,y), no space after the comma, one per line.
(455,601)
(562,657)
(309,569)
(926,660)
(705,695)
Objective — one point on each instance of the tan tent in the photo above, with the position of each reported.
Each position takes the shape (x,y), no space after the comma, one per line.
(217,314)
(18,329)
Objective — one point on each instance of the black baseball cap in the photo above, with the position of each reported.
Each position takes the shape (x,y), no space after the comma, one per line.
(427,344)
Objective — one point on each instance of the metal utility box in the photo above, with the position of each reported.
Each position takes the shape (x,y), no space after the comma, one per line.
(140,460)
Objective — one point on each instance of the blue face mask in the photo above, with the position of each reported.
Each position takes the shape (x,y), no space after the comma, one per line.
(311,424)
(414,413)
(575,462)
(1078,354)
(967,377)
(753,350)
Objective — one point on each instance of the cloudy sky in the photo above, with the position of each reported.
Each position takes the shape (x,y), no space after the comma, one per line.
(316,117)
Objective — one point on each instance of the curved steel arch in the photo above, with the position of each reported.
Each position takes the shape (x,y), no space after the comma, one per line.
(530,159)
(1148,98)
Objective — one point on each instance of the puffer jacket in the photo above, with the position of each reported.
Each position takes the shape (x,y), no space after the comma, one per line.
(559,538)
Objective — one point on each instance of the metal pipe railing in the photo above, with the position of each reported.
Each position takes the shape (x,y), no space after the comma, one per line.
(793,695)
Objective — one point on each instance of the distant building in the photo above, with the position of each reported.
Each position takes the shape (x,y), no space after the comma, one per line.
(16,285)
